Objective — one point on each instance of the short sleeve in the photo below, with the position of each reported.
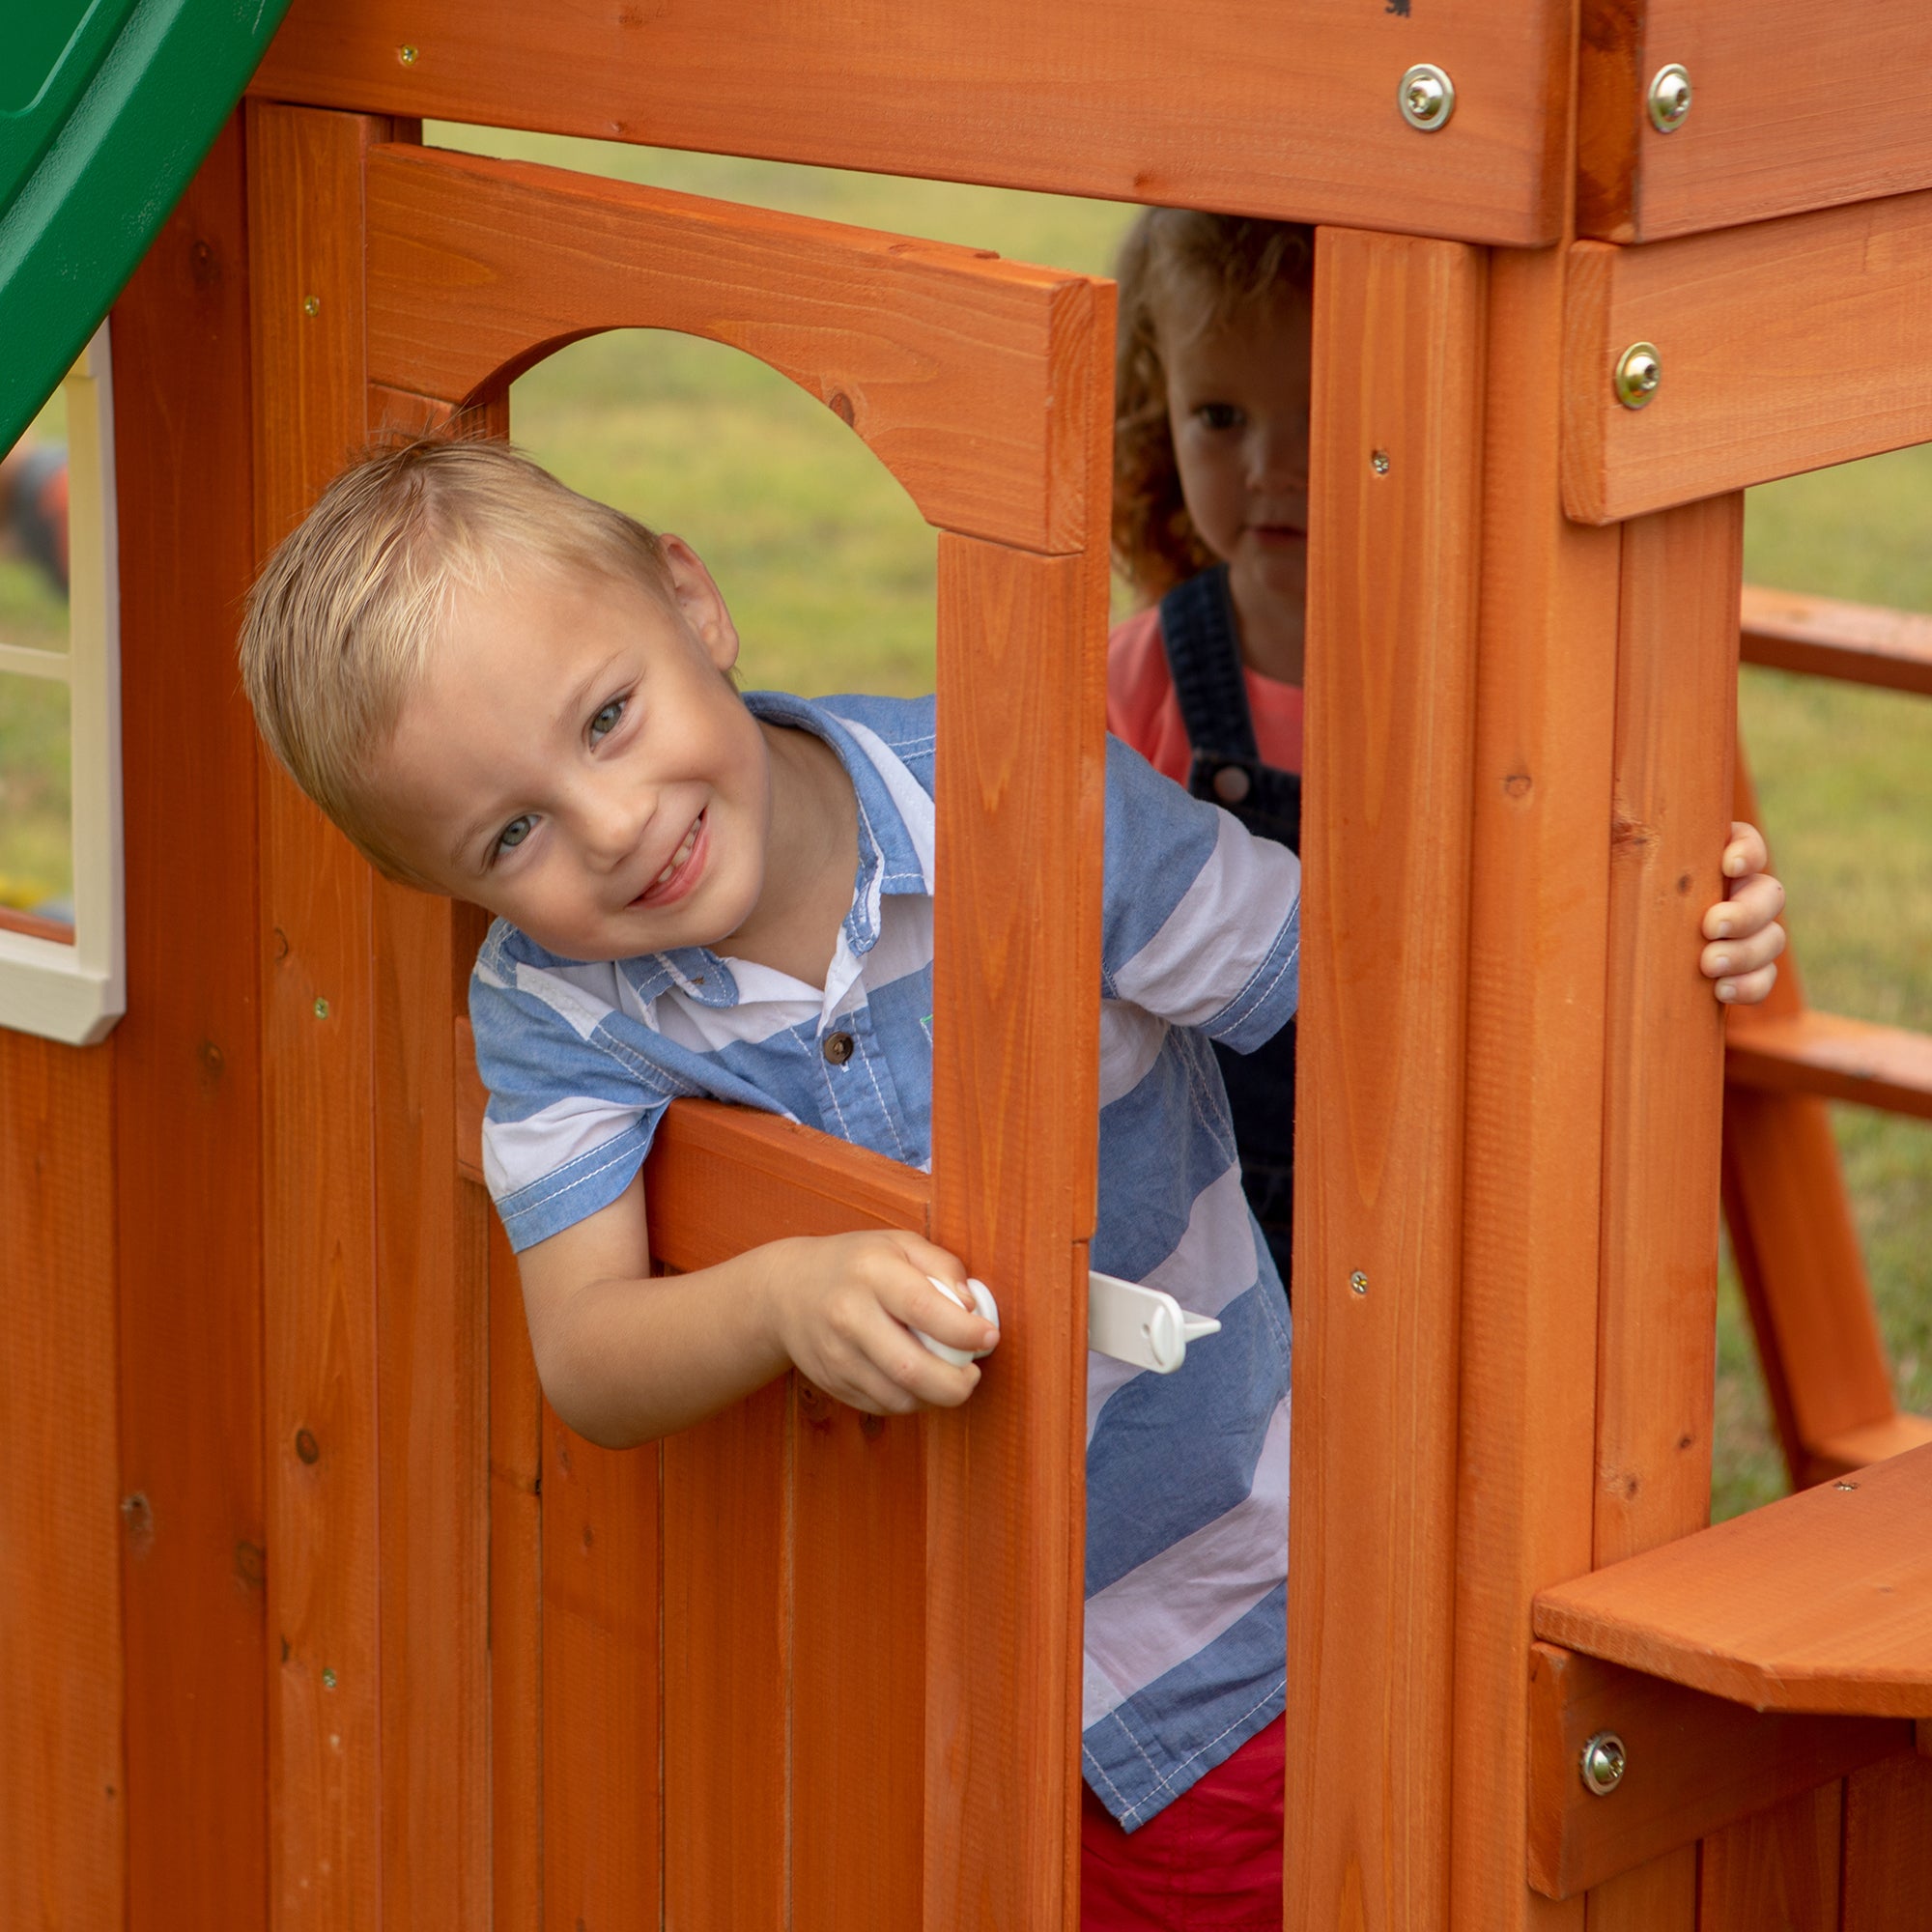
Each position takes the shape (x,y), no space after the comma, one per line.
(572,1112)
(1202,920)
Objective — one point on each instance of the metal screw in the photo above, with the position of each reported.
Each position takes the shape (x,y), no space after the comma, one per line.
(1427,98)
(1603,1765)
(321,1009)
(1378,462)
(1639,371)
(1842,1485)
(311,305)
(1668,98)
(1359,1282)
(407,55)
(329,1679)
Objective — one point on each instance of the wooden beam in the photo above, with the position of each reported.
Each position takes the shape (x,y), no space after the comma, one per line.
(1856,643)
(1794,107)
(947,360)
(1820,1602)
(1785,346)
(1087,96)
(1885,1068)
(1694,1764)
(1392,672)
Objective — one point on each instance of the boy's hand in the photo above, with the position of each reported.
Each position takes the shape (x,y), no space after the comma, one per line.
(1742,927)
(843,1308)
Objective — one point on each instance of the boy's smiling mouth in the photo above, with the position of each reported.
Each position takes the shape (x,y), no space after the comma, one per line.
(678,875)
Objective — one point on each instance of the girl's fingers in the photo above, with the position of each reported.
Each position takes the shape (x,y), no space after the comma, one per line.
(1751,908)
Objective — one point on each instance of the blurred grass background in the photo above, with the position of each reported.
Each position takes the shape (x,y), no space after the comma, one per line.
(830,573)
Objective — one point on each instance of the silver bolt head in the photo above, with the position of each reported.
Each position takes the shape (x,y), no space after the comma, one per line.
(1638,373)
(1603,1764)
(1669,99)
(1378,462)
(1359,1282)
(407,55)
(1427,98)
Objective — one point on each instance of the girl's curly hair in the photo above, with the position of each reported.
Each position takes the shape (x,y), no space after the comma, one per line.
(1187,271)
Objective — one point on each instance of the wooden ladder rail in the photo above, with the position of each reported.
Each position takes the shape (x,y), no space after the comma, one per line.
(1797,1249)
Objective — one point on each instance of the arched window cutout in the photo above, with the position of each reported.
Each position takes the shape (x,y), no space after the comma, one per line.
(66,979)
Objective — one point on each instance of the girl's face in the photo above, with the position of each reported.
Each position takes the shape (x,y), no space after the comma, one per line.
(1237,406)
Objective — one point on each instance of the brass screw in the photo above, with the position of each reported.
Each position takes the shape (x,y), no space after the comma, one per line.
(1604,1763)
(407,55)
(311,305)
(1359,1282)
(1638,373)
(321,1009)
(1669,99)
(1427,98)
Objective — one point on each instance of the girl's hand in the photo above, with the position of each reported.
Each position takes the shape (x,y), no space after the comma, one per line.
(843,1308)
(1742,928)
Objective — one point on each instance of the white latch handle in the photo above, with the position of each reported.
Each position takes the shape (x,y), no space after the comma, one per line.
(1141,1325)
(983,1306)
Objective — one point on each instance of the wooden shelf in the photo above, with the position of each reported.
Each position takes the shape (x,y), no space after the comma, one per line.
(1821,1601)
(1886,1067)
(1857,643)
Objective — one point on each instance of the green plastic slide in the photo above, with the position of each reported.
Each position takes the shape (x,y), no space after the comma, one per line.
(106,108)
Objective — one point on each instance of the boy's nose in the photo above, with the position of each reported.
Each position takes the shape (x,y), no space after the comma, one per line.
(612,823)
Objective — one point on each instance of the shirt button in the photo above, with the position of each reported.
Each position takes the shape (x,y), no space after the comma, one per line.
(1231,785)
(837,1048)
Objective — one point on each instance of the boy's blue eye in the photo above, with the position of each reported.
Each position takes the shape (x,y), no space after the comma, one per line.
(1220,416)
(514,833)
(606,721)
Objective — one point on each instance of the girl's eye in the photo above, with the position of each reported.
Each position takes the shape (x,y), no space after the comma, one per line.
(514,833)
(1219,415)
(606,721)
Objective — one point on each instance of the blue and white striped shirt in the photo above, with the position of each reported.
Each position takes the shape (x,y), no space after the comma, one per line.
(1187,1474)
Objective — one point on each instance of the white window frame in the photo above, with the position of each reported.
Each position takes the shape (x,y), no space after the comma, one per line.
(76,992)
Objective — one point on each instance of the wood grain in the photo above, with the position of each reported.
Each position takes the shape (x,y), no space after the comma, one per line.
(318,1039)
(1781,347)
(946,360)
(1771,130)
(1824,636)
(63,1830)
(1533,1157)
(1778,1869)
(187,1080)
(1076,98)
(1695,1765)
(1392,647)
(1888,1845)
(1882,1066)
(1819,1601)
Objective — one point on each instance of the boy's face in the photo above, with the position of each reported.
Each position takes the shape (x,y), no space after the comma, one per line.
(1237,404)
(577,761)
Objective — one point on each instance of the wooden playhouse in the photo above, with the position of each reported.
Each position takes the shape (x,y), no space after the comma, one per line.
(312,1617)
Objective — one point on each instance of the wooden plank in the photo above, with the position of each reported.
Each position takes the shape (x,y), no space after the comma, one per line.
(1385,849)
(1082,97)
(1818,1602)
(1533,1157)
(1888,1845)
(603,1803)
(317,1016)
(1771,129)
(727,1661)
(1782,346)
(433,1427)
(63,1830)
(1694,1765)
(1875,1442)
(1823,637)
(1778,1869)
(944,360)
(858,1666)
(516,1604)
(1021,802)
(187,1077)
(1882,1066)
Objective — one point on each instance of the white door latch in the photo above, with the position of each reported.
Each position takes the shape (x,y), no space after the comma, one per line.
(1145,1326)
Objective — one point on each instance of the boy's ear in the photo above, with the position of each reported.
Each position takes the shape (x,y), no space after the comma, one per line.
(700,603)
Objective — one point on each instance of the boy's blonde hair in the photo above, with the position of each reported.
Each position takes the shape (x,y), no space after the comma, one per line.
(341,621)
(1181,272)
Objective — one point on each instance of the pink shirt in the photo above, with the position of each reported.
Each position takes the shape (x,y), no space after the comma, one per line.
(1142,709)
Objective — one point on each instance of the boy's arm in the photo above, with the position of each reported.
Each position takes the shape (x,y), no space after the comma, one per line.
(626,1357)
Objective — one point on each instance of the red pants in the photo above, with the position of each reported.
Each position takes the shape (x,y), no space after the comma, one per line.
(1209,1863)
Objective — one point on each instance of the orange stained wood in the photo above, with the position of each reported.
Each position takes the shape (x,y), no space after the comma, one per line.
(316,948)
(1016,978)
(1780,345)
(1694,1765)
(1545,707)
(1819,1601)
(1395,492)
(63,1833)
(1779,1868)
(1856,643)
(185,1157)
(1882,1066)
(1794,107)
(1888,1845)
(951,364)
(1286,111)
